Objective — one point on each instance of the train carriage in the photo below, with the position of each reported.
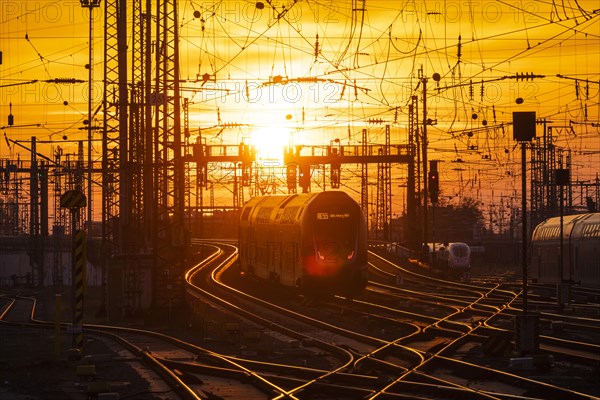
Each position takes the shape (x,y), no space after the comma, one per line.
(314,241)
(580,250)
(453,258)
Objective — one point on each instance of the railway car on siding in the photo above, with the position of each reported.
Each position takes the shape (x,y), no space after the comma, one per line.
(314,241)
(580,250)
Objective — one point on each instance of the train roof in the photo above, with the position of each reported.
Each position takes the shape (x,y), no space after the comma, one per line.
(574,226)
(571,219)
(283,200)
(447,244)
(288,208)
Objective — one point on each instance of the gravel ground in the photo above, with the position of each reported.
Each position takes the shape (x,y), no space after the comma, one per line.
(30,368)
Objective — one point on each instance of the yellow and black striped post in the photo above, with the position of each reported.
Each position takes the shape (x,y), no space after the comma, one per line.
(74,200)
(79,261)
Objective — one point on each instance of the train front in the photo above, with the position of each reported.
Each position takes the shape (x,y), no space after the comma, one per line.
(334,245)
(460,256)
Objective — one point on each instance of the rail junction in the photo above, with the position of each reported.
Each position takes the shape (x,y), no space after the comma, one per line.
(112,282)
(421,337)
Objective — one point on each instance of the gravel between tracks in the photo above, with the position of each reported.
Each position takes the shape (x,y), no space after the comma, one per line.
(30,370)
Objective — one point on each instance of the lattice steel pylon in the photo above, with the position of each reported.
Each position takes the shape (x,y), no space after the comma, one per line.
(60,222)
(383,214)
(413,199)
(114,134)
(136,141)
(110,133)
(128,153)
(135,159)
(170,236)
(364,180)
(37,271)
(546,158)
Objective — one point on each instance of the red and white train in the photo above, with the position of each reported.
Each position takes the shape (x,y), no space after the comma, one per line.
(314,241)
(454,259)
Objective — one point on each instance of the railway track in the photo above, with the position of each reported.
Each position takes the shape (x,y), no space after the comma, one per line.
(416,340)
(128,346)
(505,297)
(437,352)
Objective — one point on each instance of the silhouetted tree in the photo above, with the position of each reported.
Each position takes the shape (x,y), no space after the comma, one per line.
(469,208)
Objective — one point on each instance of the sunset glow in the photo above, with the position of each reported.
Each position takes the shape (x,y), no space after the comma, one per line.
(269,142)
(335,69)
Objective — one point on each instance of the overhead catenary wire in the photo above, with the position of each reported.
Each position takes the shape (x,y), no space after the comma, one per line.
(394,55)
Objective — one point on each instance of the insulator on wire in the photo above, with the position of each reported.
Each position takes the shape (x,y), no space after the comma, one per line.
(471,89)
(525,76)
(343,90)
(587,89)
(482,90)
(64,80)
(11,118)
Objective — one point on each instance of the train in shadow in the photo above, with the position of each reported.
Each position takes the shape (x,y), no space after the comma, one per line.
(316,242)
(578,246)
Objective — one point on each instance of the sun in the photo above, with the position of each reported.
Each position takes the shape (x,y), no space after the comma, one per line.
(269,142)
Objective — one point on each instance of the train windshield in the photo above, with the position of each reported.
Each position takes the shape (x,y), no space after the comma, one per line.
(460,251)
(335,237)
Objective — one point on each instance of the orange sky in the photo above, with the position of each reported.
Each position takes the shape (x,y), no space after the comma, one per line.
(379,50)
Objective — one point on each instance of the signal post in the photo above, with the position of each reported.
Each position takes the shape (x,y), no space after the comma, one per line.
(433,186)
(526,324)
